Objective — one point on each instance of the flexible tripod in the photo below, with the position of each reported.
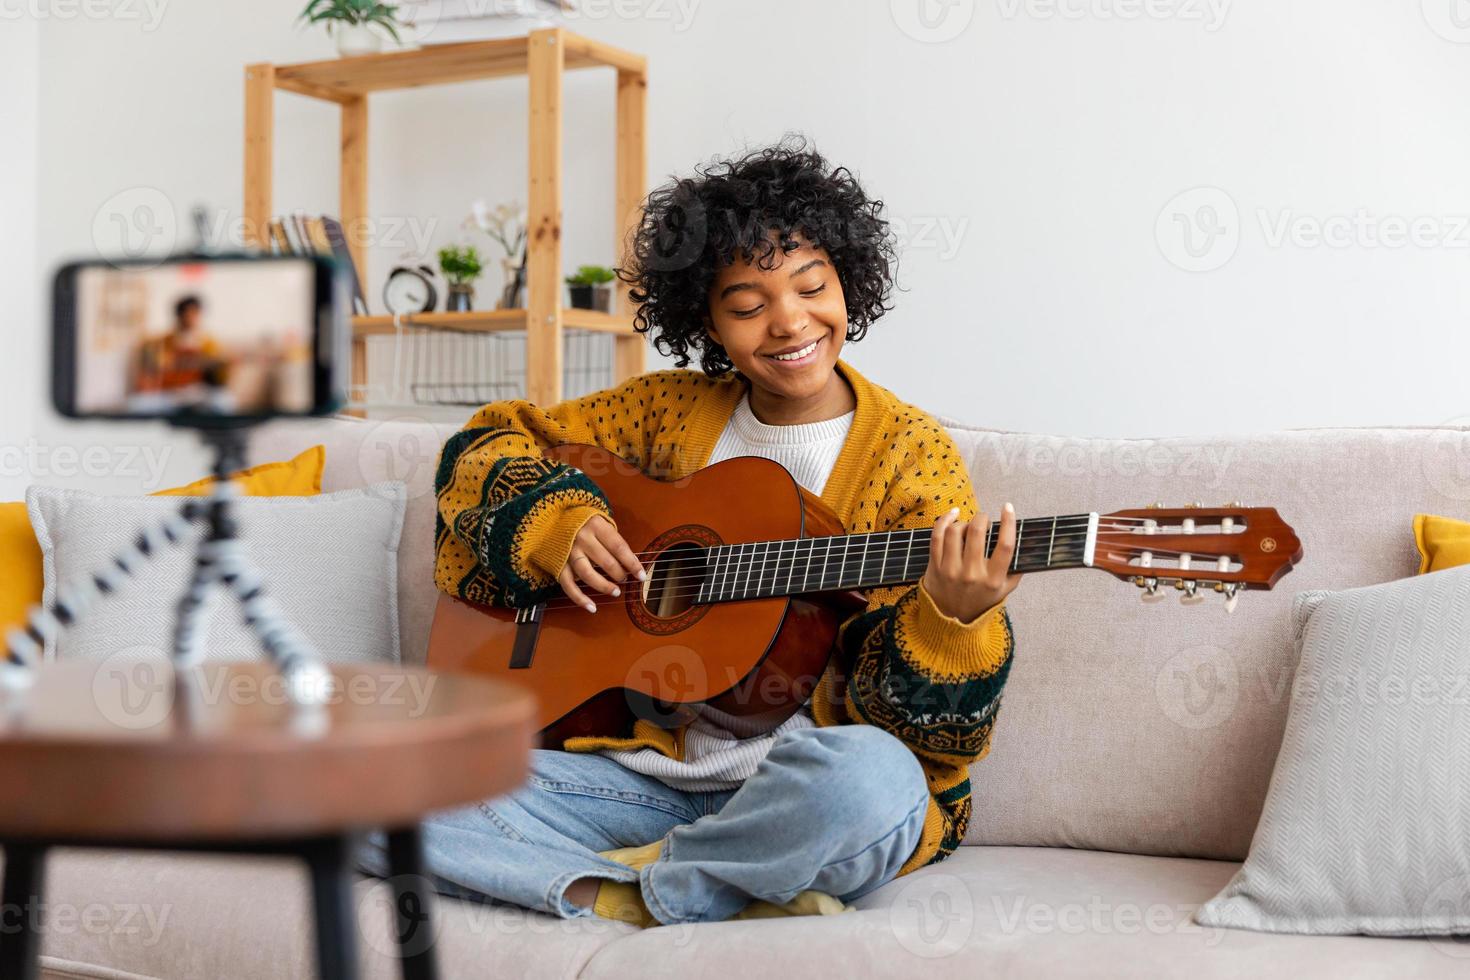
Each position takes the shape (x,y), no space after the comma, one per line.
(220,558)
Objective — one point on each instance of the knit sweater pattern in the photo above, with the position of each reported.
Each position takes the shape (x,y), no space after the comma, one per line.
(507,518)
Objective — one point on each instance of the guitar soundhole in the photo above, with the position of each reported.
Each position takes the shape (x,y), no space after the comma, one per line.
(674,580)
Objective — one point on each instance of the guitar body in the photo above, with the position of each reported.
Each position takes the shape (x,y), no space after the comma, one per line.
(653,652)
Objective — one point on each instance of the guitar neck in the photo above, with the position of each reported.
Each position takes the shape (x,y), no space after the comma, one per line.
(764,569)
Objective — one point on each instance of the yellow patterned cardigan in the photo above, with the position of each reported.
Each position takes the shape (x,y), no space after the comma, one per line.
(507,517)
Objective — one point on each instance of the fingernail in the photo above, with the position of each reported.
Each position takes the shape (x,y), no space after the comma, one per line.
(641,576)
(953,511)
(591,608)
(1009,508)
(617,591)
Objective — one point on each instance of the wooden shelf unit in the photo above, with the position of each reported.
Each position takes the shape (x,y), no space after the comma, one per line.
(543,56)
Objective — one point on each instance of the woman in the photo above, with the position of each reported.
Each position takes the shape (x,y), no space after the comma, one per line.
(763,268)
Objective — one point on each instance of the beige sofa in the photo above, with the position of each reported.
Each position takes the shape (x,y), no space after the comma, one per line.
(1128,771)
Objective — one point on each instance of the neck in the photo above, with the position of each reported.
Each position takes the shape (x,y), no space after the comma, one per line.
(836,398)
(761,569)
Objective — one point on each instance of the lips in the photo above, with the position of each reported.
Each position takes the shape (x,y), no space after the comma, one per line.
(798,356)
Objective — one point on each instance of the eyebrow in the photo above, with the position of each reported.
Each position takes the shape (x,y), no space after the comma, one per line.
(736,287)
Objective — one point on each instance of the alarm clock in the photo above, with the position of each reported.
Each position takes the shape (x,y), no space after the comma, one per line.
(410,289)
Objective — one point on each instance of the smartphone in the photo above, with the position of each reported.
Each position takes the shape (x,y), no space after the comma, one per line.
(192,337)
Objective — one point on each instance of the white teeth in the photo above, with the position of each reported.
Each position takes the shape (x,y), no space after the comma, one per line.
(797,355)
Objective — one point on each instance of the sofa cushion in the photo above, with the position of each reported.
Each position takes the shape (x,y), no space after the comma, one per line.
(998,911)
(1020,912)
(1153,728)
(328,563)
(229,917)
(1365,827)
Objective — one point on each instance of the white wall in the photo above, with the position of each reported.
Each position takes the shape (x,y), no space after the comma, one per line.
(1035,152)
(20,291)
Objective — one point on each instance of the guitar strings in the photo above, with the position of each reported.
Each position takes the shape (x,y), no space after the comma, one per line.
(674,587)
(1069,522)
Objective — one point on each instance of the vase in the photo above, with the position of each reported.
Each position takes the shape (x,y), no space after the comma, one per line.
(581,297)
(356,39)
(461,299)
(602,298)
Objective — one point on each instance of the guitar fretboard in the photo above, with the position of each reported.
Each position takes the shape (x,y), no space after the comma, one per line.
(763,569)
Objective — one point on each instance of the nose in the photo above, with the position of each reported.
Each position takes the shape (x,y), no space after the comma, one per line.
(788,317)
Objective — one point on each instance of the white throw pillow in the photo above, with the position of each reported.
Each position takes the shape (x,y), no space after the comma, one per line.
(329,562)
(1366,827)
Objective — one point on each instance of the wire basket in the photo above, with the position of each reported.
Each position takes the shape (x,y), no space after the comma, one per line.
(433,365)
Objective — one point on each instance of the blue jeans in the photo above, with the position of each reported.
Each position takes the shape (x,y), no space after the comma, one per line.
(837,810)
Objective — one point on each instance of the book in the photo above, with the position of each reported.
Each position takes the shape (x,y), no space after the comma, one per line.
(337,244)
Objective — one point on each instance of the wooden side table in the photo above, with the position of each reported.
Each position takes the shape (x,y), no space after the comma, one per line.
(131,754)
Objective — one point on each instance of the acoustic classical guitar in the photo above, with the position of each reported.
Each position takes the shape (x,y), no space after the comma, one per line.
(749,576)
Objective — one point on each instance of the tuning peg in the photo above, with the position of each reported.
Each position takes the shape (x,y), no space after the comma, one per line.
(1191,594)
(1150,590)
(1156,505)
(1232,595)
(1233,503)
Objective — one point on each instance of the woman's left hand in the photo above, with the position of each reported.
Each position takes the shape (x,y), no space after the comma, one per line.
(961,579)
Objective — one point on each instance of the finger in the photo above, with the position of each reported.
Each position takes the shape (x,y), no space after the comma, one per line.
(624,554)
(975,545)
(954,549)
(582,566)
(568,583)
(1005,544)
(608,568)
(936,538)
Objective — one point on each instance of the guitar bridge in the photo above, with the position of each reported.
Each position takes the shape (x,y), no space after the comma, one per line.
(528,631)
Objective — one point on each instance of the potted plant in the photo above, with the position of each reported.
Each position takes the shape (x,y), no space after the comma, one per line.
(352,22)
(590,288)
(461,266)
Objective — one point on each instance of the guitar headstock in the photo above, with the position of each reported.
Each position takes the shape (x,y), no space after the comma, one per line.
(1197,549)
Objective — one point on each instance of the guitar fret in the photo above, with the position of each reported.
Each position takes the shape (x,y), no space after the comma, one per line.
(868,560)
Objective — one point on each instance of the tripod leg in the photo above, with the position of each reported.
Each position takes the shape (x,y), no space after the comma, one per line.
(189,618)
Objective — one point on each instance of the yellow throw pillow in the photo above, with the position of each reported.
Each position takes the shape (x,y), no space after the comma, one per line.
(1443,542)
(21,580)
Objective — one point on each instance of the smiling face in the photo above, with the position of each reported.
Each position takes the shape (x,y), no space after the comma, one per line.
(783,328)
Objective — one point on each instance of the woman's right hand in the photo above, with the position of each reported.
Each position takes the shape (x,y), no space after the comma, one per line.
(601,559)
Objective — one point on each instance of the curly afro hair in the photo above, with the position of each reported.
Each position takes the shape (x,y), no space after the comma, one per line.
(693,226)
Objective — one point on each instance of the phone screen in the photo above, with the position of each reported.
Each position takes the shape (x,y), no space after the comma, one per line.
(235,336)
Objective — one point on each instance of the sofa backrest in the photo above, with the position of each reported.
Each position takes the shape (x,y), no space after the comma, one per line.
(1153,729)
(1148,729)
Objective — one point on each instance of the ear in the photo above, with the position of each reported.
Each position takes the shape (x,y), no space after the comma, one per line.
(712,330)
